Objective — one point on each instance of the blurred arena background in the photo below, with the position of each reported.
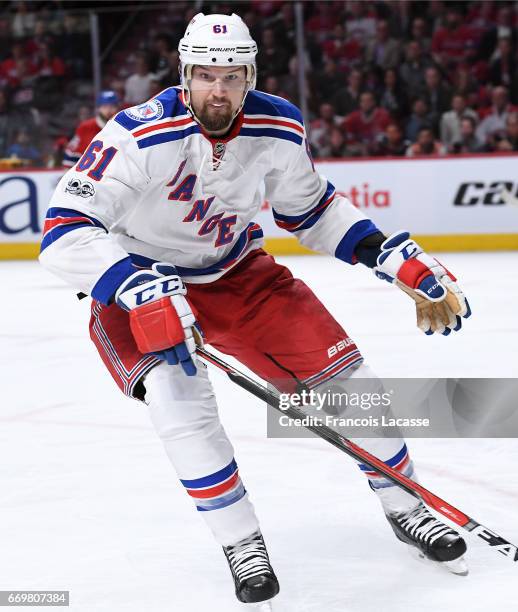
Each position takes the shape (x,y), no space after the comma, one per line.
(411,107)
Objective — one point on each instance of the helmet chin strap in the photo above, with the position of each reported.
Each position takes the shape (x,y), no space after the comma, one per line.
(186,76)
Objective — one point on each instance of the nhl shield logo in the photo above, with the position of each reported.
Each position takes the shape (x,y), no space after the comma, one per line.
(218,150)
(149,111)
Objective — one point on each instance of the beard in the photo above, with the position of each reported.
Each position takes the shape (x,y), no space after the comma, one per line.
(216,119)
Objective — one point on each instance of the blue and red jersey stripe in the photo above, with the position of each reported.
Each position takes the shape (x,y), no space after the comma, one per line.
(60,221)
(295,223)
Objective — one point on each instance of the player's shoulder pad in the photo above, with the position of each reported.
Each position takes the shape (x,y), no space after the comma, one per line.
(261,103)
(165,105)
(272,117)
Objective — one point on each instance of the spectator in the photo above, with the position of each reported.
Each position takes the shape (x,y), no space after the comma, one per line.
(23,149)
(504,28)
(22,80)
(107,105)
(321,128)
(48,63)
(419,118)
(325,83)
(451,43)
(337,144)
(252,21)
(5,38)
(509,140)
(273,87)
(118,86)
(413,68)
(360,22)
(10,67)
(285,27)
(9,124)
(435,11)
(426,144)
(321,24)
(172,76)
(465,84)
(265,8)
(436,93)
(419,32)
(49,86)
(495,118)
(397,15)
(392,142)
(364,126)
(467,141)
(503,68)
(23,21)
(346,52)
(272,58)
(451,120)
(346,100)
(162,48)
(481,17)
(33,47)
(71,47)
(83,113)
(393,97)
(140,85)
(289,83)
(383,51)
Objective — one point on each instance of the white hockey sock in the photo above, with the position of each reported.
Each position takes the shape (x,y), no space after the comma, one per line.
(184,413)
(391,450)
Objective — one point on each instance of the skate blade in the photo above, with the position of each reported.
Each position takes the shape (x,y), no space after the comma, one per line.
(459,567)
(263,606)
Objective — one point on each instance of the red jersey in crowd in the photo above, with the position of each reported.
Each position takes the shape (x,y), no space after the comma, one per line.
(85,133)
(362,128)
(12,72)
(454,44)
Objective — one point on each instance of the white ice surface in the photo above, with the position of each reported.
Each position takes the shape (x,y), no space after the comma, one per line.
(89,502)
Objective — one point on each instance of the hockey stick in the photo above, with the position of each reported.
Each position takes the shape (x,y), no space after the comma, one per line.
(359,454)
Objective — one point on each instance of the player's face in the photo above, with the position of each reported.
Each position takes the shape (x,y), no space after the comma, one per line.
(107,111)
(216,94)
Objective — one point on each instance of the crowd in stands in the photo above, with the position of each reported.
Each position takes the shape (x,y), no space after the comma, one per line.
(39,53)
(385,78)
(407,79)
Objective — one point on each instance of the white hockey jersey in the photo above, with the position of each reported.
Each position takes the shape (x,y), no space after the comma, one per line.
(152,186)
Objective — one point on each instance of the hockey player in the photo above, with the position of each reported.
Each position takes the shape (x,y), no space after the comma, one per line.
(106,106)
(155,222)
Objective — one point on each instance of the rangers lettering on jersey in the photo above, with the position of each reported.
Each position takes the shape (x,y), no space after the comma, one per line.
(165,191)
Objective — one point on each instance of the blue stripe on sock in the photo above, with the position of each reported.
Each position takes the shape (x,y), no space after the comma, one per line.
(211,479)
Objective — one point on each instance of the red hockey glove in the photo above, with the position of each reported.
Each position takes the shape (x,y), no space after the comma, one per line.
(161,320)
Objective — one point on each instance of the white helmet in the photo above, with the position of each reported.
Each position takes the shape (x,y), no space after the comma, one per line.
(217,40)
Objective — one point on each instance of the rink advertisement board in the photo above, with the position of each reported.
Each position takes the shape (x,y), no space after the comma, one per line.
(24,198)
(450,203)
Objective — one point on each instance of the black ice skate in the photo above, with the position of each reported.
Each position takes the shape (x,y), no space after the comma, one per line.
(431,538)
(253,575)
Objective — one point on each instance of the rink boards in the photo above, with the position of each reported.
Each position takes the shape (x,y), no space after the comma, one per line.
(454,203)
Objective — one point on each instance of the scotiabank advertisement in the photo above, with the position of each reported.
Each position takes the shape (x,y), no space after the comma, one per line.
(429,197)
(455,197)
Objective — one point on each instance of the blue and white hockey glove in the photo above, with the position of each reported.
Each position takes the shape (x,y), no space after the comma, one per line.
(440,304)
(161,320)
